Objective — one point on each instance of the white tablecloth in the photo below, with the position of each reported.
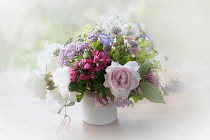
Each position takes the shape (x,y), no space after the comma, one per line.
(185,116)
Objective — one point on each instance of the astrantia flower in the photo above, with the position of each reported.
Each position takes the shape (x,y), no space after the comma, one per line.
(105,39)
(122,79)
(61,78)
(132,47)
(116,30)
(107,48)
(47,60)
(133,44)
(35,81)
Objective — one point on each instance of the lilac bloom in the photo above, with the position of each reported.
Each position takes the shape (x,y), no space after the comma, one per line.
(105,39)
(138,25)
(147,37)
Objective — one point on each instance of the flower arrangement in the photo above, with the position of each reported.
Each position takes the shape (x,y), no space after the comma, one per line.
(115,60)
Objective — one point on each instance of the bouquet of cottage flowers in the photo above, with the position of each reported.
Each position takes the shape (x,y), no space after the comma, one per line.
(115,60)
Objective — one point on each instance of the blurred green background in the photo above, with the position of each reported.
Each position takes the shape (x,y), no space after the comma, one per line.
(180,28)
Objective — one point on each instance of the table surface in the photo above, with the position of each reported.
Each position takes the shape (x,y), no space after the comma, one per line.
(186,114)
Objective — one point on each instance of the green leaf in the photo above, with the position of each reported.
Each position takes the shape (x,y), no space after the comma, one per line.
(151,92)
(51,87)
(144,68)
(124,60)
(137,96)
(79,97)
(70,104)
(73,86)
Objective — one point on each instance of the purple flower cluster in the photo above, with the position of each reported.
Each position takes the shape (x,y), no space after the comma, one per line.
(71,50)
(122,103)
(106,101)
(151,78)
(92,37)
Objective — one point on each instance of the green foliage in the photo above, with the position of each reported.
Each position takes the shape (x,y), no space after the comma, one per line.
(125,59)
(97,45)
(151,92)
(137,96)
(70,104)
(120,40)
(144,68)
(143,54)
(78,87)
(79,97)
(50,83)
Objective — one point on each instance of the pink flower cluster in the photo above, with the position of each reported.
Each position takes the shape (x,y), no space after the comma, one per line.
(86,68)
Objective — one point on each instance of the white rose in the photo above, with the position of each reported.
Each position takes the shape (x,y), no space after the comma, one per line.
(46,59)
(35,81)
(61,78)
(122,79)
(57,96)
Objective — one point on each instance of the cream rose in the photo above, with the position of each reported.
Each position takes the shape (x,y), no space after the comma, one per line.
(122,79)
(46,59)
(61,78)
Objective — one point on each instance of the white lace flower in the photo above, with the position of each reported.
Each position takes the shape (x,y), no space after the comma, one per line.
(130,30)
(61,78)
(46,59)
(113,24)
(35,81)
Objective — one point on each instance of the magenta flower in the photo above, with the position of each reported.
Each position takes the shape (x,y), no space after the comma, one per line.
(83,77)
(87,66)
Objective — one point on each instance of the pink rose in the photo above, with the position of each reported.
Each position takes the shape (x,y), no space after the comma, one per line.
(122,79)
